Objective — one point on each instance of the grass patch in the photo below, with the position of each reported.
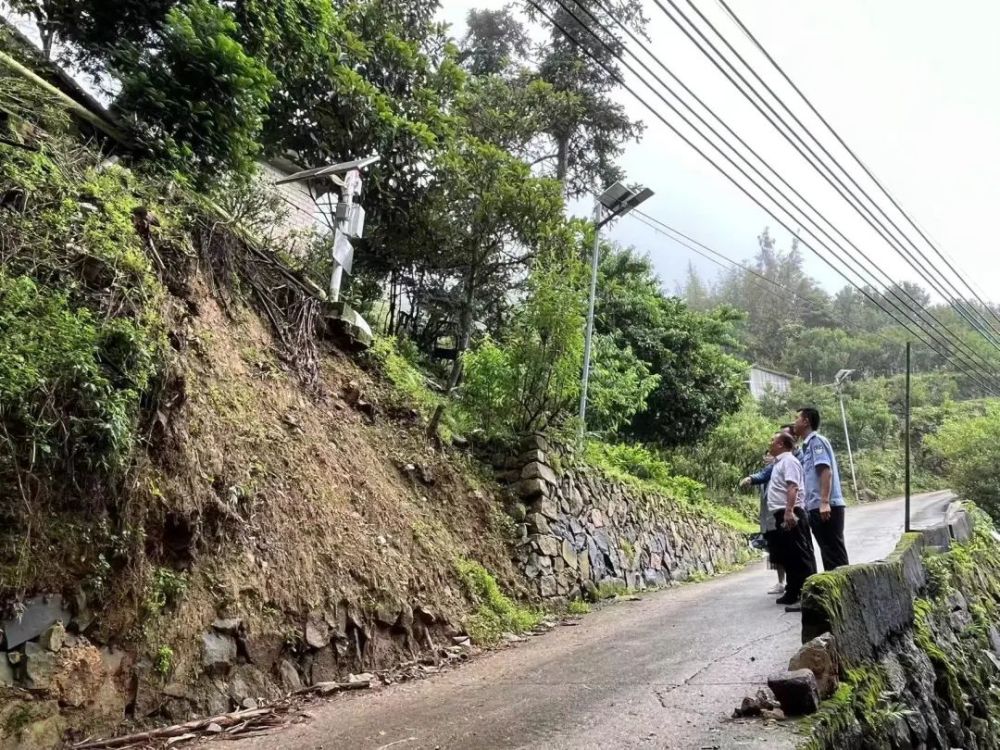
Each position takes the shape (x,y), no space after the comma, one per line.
(578,607)
(639,467)
(398,363)
(496,613)
(611,589)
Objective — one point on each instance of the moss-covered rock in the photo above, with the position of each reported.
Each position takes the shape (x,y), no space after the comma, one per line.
(918,635)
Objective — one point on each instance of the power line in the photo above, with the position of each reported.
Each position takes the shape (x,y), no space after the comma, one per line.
(905,311)
(948,262)
(826,172)
(897,292)
(728,263)
(922,334)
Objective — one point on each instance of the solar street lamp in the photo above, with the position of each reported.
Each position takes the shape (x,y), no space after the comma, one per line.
(616,201)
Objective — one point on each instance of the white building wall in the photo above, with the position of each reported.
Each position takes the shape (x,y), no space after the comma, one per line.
(763,380)
(303,217)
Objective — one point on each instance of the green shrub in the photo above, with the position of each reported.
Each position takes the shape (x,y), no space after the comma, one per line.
(530,380)
(967,451)
(166,590)
(640,467)
(731,451)
(496,614)
(70,383)
(163,662)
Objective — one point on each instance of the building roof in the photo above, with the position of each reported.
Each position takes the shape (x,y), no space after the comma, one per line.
(83,106)
(773,372)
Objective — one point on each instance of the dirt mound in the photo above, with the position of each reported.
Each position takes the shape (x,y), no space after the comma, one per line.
(277,501)
(315,520)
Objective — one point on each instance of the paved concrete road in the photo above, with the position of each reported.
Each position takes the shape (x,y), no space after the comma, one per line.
(664,672)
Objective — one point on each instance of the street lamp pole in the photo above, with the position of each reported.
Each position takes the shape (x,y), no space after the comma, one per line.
(839,380)
(616,201)
(588,338)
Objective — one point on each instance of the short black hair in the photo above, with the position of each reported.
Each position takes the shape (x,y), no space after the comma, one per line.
(787,441)
(812,414)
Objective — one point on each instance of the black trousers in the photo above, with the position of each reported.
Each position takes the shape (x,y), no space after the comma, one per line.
(830,537)
(796,552)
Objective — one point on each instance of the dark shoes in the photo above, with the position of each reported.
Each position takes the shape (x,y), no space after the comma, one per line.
(786,599)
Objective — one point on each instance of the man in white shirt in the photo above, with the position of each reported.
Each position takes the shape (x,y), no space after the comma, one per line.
(786,502)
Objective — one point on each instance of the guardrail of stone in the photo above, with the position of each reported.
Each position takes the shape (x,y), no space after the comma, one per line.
(865,605)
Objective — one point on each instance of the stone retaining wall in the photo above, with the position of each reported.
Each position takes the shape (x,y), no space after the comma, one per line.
(581,534)
(917,640)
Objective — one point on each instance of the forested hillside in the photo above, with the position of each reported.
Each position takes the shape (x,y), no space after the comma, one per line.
(186,443)
(787,321)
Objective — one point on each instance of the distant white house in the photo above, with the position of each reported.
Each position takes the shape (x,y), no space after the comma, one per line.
(763,380)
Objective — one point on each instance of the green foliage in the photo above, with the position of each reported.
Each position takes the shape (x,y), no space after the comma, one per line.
(640,467)
(496,614)
(578,607)
(166,590)
(731,451)
(163,661)
(198,98)
(404,374)
(620,384)
(59,405)
(81,338)
(698,383)
(966,448)
(489,391)
(530,381)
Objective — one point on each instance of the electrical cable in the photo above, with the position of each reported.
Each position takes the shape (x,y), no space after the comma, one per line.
(948,261)
(906,311)
(921,333)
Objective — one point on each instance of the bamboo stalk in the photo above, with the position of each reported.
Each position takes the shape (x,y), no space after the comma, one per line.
(73,106)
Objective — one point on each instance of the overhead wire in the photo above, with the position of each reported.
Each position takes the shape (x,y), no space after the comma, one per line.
(898,293)
(725,262)
(927,335)
(817,163)
(949,262)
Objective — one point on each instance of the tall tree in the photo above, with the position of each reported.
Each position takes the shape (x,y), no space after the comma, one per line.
(494,42)
(694,291)
(587,141)
(698,382)
(772,315)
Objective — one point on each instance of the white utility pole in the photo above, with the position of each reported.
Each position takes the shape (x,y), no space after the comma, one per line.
(838,382)
(594,263)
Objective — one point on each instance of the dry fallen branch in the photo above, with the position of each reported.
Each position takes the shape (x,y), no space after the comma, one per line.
(328,688)
(235,725)
(224,720)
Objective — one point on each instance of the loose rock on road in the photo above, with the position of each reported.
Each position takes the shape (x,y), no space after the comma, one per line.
(663,672)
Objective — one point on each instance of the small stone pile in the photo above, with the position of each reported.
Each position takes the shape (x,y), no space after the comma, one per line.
(583,534)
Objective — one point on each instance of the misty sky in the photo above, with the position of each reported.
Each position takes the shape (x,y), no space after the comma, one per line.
(910,86)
